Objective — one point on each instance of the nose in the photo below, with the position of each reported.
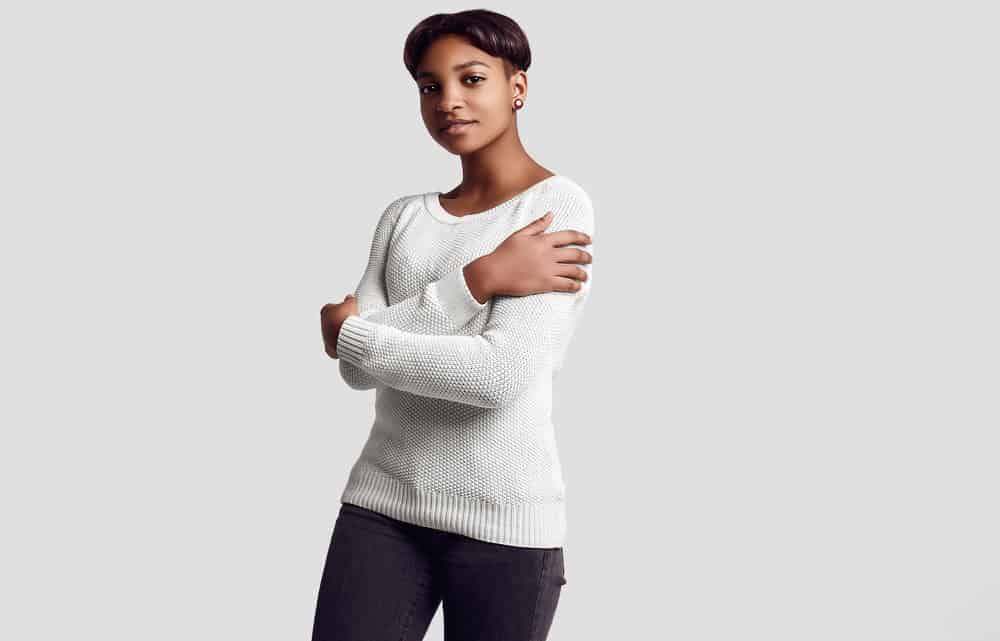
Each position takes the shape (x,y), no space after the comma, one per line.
(449,99)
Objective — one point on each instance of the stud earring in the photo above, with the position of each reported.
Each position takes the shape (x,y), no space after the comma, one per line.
(518,103)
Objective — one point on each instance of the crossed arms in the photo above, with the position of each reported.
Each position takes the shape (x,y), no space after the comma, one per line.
(380,346)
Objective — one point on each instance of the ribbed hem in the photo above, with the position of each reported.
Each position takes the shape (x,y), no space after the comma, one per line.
(457,298)
(521,525)
(351,340)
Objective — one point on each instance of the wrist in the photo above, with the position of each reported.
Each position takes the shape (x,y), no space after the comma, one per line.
(478,278)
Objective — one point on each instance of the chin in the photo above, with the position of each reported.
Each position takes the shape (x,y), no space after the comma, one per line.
(459,146)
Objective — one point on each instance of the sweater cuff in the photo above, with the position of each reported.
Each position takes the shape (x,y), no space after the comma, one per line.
(456,297)
(352,341)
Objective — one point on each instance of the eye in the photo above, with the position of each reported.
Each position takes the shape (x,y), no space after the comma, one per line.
(480,78)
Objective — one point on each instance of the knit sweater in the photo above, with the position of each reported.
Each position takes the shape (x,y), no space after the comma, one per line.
(463,438)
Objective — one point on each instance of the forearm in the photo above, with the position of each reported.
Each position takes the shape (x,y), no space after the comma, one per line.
(486,370)
(445,305)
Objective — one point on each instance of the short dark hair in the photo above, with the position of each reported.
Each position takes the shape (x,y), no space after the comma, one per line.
(494,33)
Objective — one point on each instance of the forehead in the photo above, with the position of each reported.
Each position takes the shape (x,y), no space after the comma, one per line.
(450,51)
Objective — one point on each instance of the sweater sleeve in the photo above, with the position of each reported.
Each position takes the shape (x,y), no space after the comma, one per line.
(490,369)
(444,305)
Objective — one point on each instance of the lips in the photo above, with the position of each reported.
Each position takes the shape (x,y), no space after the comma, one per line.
(456,122)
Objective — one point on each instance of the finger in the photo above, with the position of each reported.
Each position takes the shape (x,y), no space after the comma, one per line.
(537,225)
(569,237)
(573,271)
(563,284)
(573,255)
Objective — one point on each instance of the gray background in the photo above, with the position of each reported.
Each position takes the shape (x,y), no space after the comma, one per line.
(779,417)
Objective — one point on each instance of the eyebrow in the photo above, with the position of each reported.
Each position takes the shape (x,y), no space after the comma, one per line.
(470,63)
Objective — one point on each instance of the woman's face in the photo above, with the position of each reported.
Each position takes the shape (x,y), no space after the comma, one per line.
(451,88)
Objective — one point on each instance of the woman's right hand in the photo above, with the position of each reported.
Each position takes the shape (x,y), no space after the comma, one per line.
(532,262)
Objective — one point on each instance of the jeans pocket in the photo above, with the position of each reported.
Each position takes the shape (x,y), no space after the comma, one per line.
(353,517)
(553,577)
(559,566)
(351,510)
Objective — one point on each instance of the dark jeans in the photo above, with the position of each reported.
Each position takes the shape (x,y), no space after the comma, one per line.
(383,580)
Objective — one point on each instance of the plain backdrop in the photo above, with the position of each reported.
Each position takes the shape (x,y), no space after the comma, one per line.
(778,419)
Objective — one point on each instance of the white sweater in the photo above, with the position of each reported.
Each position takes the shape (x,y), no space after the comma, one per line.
(463,439)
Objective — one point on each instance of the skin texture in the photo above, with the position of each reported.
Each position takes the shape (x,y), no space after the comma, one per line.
(495,168)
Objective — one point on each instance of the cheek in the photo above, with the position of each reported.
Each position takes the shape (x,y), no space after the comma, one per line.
(489,98)
(496,111)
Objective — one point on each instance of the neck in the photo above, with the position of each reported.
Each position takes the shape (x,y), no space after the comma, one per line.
(501,166)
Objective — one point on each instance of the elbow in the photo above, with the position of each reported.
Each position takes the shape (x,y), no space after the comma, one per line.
(508,383)
(497,399)
(494,398)
(354,377)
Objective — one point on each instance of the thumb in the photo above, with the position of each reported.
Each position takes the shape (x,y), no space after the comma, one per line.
(537,225)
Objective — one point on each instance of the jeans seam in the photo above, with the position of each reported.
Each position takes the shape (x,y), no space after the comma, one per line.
(538,597)
(336,595)
(419,593)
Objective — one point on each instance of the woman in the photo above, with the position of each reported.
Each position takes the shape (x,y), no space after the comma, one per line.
(460,321)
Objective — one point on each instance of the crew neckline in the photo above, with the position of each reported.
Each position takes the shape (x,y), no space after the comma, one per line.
(433,204)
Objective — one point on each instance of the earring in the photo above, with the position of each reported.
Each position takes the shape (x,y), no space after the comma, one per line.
(518,103)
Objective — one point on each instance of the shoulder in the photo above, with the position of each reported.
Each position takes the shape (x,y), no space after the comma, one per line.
(392,212)
(569,202)
(562,184)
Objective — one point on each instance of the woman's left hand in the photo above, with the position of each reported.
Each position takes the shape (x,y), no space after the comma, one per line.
(331,317)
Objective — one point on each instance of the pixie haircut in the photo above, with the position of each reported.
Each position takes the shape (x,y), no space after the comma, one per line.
(494,33)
